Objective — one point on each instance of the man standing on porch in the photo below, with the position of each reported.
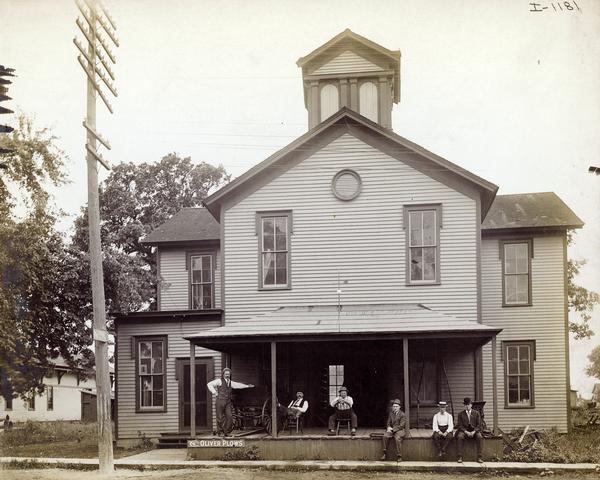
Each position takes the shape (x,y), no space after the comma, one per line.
(343,406)
(221,388)
(469,427)
(443,425)
(396,427)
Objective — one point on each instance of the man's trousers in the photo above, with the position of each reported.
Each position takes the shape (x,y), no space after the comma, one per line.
(224,416)
(441,441)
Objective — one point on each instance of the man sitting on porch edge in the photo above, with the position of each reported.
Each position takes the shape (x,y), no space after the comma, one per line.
(343,406)
(395,427)
(469,427)
(443,425)
(221,388)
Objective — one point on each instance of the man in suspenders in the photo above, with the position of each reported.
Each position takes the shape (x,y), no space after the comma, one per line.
(443,427)
(221,389)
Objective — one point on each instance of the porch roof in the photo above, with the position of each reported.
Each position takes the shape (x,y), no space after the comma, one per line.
(323,322)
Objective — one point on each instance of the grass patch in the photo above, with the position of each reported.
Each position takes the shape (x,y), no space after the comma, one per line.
(56,440)
(580,446)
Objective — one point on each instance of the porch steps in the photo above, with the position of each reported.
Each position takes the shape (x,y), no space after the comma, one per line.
(167,441)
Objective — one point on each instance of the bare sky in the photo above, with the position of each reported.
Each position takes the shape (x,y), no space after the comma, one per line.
(509,94)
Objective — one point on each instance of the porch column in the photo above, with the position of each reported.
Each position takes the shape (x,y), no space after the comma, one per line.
(192,389)
(494,384)
(274,389)
(406,385)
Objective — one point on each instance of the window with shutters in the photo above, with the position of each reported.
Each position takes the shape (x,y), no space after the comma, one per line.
(518,373)
(368,101)
(274,231)
(330,101)
(516,272)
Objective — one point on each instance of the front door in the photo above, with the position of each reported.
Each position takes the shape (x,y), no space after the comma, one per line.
(204,372)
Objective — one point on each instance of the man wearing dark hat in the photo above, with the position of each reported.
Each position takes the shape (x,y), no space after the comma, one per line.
(395,427)
(443,425)
(221,388)
(469,427)
(343,403)
(298,406)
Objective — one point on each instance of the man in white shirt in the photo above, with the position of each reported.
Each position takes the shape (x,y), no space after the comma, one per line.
(221,389)
(443,426)
(299,406)
(343,403)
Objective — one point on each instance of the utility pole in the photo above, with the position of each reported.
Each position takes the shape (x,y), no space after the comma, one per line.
(95,64)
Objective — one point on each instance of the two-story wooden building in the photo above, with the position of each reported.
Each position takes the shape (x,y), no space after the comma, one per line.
(354,256)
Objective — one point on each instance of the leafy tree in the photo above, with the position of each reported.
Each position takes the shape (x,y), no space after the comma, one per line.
(593,369)
(36,321)
(135,199)
(580,299)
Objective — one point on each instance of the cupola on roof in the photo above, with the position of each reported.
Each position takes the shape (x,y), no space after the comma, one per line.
(351,71)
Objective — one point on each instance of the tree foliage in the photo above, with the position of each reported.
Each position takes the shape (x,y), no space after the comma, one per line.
(593,369)
(37,322)
(581,300)
(135,199)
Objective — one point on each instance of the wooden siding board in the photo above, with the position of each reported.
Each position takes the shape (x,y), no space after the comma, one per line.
(155,423)
(347,62)
(363,239)
(542,322)
(174,287)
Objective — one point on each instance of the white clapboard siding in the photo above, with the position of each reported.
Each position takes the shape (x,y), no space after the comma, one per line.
(153,424)
(347,62)
(543,322)
(174,293)
(363,240)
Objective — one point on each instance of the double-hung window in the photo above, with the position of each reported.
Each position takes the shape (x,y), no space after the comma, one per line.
(516,272)
(518,371)
(274,230)
(49,398)
(150,367)
(201,281)
(422,223)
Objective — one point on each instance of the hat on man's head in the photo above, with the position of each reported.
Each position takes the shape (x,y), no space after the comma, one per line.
(343,389)
(227,369)
(299,392)
(396,401)
(467,401)
(442,404)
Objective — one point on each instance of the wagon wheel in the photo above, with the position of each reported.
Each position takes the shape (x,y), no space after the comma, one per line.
(265,416)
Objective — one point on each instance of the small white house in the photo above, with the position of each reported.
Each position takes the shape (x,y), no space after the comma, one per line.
(67,396)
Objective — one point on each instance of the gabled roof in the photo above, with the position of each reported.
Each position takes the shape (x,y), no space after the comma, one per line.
(353,122)
(543,210)
(289,323)
(393,55)
(187,225)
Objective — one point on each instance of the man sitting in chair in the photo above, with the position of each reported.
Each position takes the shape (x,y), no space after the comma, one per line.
(343,406)
(298,407)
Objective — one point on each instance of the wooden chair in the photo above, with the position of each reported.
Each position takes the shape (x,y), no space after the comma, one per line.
(295,422)
(342,418)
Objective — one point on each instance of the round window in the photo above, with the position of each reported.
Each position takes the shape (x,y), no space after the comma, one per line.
(346,185)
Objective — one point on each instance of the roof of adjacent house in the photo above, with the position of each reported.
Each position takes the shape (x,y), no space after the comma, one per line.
(359,320)
(187,225)
(530,210)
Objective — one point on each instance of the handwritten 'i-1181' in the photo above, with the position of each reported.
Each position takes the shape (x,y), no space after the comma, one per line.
(557,6)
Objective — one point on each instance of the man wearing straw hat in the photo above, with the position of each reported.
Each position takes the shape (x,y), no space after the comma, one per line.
(443,425)
(342,403)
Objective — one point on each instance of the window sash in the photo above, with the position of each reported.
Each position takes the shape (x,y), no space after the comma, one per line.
(151,374)
(8,403)
(49,398)
(201,281)
(336,380)
(519,375)
(516,271)
(275,250)
(422,243)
